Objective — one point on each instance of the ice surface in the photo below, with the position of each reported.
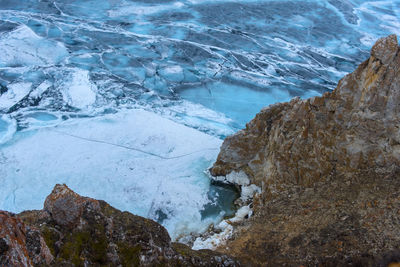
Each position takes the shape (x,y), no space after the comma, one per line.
(75,67)
(234,57)
(135,160)
(199,117)
(173,73)
(238,102)
(15,93)
(23,47)
(77,89)
(8,127)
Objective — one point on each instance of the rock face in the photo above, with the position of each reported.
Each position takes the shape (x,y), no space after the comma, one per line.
(73,230)
(329,171)
(21,245)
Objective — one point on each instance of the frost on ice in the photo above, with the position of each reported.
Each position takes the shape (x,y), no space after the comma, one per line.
(15,92)
(77,89)
(135,160)
(22,47)
(8,127)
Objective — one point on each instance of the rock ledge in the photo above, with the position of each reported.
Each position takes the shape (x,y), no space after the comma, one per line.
(328,168)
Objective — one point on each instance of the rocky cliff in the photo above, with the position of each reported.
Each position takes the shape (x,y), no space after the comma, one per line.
(329,172)
(72,230)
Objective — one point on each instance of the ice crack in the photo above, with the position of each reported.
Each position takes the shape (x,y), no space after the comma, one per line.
(132,148)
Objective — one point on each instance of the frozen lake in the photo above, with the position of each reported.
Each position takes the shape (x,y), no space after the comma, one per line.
(128,101)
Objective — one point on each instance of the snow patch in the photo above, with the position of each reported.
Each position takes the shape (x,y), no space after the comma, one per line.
(247,192)
(234,177)
(8,127)
(23,47)
(226,227)
(139,162)
(78,91)
(15,93)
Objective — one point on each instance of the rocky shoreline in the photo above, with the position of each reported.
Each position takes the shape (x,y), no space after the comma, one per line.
(72,230)
(328,168)
(319,182)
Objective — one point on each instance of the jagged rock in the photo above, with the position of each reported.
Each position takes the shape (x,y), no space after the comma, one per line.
(66,207)
(304,141)
(329,171)
(21,245)
(80,231)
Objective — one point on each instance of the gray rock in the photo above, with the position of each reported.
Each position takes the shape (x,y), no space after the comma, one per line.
(329,171)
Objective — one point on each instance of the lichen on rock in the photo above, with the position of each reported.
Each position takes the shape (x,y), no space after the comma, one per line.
(73,230)
(320,163)
(354,127)
(21,245)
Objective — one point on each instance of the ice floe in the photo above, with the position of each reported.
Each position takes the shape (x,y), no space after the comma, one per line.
(77,89)
(135,160)
(22,47)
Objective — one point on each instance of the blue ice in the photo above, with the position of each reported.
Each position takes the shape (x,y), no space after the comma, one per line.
(208,66)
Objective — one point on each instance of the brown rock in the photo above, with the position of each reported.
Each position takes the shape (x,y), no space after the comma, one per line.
(81,231)
(320,162)
(385,49)
(305,141)
(21,245)
(66,207)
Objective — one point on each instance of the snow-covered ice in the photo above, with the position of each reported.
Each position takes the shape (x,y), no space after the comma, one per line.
(77,76)
(15,93)
(77,89)
(22,47)
(135,160)
(8,127)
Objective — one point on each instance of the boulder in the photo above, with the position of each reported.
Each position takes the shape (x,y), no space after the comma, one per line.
(81,231)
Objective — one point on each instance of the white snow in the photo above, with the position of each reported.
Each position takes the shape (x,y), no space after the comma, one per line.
(8,127)
(218,239)
(247,192)
(23,47)
(135,160)
(234,177)
(77,89)
(173,73)
(240,178)
(15,93)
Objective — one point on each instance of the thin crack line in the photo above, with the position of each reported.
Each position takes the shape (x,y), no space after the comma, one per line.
(132,148)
